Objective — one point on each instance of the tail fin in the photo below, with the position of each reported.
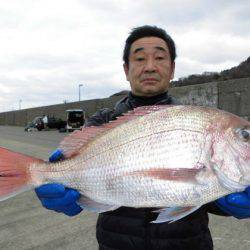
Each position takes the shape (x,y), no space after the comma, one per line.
(14,174)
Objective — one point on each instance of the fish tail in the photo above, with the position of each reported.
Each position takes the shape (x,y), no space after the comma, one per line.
(14,173)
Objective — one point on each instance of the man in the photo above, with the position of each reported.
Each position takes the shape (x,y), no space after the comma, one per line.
(45,121)
(149,63)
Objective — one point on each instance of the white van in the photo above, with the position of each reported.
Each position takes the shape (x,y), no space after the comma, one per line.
(75,119)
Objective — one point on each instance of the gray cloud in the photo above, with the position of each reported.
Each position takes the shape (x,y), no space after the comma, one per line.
(47,49)
(37,61)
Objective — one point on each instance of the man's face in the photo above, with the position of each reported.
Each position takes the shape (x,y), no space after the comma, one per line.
(150,68)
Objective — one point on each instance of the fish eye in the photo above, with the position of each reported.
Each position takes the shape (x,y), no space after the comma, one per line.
(245,134)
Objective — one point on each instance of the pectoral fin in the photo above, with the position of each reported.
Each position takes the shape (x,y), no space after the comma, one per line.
(93,206)
(172,214)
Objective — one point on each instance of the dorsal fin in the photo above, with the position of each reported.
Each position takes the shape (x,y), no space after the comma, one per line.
(72,144)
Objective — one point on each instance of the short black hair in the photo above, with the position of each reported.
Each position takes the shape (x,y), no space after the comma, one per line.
(148,31)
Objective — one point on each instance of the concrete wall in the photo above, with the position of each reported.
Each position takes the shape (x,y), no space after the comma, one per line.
(233,96)
(22,117)
(201,94)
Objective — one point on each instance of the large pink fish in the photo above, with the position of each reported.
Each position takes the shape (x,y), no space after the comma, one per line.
(174,158)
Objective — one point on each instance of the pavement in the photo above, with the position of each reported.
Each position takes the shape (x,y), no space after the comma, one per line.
(25,224)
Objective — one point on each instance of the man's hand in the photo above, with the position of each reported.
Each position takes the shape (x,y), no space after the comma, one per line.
(56,197)
(57,155)
(237,204)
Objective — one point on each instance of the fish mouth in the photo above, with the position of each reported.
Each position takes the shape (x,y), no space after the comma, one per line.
(229,184)
(245,180)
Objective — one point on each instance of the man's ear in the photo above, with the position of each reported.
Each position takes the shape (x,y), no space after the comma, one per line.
(125,68)
(173,69)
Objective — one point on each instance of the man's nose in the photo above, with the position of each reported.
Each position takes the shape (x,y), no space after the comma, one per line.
(150,65)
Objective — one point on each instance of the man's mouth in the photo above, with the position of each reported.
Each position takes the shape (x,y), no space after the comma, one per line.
(149,80)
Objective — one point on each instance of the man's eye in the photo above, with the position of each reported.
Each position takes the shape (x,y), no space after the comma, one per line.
(159,58)
(139,59)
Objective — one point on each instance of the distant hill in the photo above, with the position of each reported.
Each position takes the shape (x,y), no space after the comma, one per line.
(240,71)
(123,92)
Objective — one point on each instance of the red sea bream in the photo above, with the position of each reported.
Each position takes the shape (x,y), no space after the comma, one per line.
(172,158)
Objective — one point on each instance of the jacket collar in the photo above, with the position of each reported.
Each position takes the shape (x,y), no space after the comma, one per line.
(136,101)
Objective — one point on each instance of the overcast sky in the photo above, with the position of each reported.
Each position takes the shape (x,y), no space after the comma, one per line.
(49,47)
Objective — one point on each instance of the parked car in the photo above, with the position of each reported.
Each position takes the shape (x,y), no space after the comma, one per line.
(56,123)
(36,123)
(75,119)
(53,123)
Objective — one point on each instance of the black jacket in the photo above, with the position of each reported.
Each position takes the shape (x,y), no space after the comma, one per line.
(130,228)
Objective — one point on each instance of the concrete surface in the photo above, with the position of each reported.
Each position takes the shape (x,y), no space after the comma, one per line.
(25,224)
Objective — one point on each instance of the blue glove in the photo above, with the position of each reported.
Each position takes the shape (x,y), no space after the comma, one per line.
(56,197)
(237,204)
(57,155)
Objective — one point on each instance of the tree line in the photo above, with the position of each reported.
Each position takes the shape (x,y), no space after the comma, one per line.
(240,71)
